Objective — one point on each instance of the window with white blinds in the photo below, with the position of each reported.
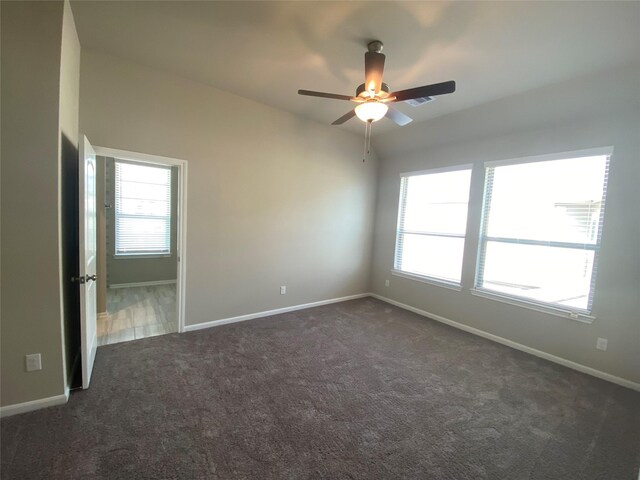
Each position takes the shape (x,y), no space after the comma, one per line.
(143,209)
(541,228)
(432,223)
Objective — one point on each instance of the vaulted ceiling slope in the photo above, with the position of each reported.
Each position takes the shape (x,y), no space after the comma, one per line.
(613,93)
(266,51)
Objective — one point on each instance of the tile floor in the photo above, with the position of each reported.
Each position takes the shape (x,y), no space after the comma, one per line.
(138,312)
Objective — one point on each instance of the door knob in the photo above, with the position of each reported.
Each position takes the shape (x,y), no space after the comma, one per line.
(91,277)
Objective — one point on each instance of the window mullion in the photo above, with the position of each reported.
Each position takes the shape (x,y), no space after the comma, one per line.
(542,243)
(432,234)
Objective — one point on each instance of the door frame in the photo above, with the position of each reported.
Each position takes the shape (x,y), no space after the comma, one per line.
(181,247)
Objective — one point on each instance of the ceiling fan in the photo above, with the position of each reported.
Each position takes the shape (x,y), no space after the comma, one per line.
(373,96)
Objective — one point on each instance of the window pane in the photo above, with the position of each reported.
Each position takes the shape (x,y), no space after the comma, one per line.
(438,257)
(435,218)
(542,229)
(144,173)
(142,234)
(541,273)
(433,203)
(142,191)
(143,208)
(437,202)
(558,200)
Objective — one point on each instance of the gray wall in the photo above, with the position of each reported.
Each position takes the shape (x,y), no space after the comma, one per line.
(122,270)
(596,111)
(32,121)
(272,199)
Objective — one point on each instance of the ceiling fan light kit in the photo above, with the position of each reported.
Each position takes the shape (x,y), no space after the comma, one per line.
(371,111)
(373,95)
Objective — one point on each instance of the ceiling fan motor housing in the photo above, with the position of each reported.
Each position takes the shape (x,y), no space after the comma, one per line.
(375,46)
(361,89)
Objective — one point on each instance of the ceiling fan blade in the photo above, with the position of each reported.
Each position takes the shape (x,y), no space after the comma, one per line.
(398,117)
(324,95)
(373,70)
(347,116)
(425,91)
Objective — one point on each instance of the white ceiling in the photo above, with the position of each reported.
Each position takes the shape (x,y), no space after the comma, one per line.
(266,51)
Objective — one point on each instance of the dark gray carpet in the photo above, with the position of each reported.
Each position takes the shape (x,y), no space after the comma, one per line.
(356,390)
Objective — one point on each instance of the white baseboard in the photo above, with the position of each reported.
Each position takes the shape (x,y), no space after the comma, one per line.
(518,346)
(267,313)
(141,284)
(25,407)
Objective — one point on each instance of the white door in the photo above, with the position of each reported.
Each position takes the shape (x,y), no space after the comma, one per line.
(87,226)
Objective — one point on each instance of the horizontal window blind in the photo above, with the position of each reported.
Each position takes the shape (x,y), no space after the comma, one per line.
(432,223)
(143,209)
(541,230)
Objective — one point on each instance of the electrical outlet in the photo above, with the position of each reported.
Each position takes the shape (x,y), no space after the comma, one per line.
(34,362)
(601,344)
(386,283)
(283,289)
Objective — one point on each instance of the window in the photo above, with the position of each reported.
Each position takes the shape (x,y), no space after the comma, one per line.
(541,229)
(432,222)
(143,209)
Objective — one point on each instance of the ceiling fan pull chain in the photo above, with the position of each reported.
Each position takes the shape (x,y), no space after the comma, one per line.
(367,135)
(364,153)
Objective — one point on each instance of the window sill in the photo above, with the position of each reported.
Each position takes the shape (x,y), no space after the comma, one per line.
(134,256)
(558,312)
(429,280)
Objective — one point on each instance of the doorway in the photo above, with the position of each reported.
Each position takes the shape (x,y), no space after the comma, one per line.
(141,245)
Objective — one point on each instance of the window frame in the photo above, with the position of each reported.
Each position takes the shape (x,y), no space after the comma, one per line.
(583,315)
(440,282)
(141,253)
